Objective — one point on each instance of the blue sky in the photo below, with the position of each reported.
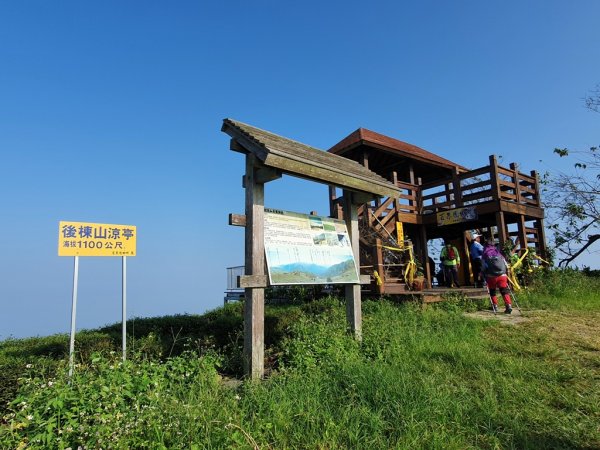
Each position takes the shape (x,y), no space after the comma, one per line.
(110,112)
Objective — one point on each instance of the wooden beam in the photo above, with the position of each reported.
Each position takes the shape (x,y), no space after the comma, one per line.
(325,174)
(531,212)
(237,220)
(252,281)
(365,279)
(358,198)
(237,147)
(266,174)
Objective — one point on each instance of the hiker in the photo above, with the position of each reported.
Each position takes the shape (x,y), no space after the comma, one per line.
(451,263)
(476,253)
(494,269)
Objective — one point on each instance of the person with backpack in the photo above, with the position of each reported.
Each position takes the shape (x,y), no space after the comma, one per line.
(495,270)
(451,262)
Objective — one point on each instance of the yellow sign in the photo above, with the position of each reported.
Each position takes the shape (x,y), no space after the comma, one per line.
(96,239)
(400,234)
(456,215)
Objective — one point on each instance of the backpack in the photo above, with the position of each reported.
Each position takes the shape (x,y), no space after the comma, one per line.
(451,254)
(495,265)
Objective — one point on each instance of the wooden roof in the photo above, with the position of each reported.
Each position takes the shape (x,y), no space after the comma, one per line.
(362,136)
(304,161)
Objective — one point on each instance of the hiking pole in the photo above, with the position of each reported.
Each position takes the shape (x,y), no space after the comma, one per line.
(514,298)
(494,309)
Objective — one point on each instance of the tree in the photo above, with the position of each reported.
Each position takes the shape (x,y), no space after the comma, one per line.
(572,200)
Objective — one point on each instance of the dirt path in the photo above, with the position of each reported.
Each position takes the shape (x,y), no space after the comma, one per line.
(509,319)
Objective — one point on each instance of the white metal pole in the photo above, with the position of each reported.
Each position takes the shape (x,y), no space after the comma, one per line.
(124,295)
(73,315)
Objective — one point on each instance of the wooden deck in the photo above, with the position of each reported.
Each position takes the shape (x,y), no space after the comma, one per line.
(438,294)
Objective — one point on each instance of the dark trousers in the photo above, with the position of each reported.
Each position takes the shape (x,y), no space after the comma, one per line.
(477,275)
(451,273)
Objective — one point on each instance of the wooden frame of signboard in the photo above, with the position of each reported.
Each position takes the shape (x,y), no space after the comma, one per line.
(268,158)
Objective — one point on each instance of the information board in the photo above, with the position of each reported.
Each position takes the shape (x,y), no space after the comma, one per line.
(303,249)
(96,239)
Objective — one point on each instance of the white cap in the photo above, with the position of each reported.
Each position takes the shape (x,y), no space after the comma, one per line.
(475,236)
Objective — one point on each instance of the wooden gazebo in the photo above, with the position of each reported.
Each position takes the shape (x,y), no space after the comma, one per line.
(501,200)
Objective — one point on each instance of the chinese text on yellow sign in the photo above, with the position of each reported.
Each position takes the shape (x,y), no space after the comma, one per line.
(96,239)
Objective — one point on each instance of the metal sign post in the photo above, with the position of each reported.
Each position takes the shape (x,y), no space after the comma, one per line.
(124,297)
(96,239)
(73,315)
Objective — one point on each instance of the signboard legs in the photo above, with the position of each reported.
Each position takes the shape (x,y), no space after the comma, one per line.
(254,303)
(73,315)
(352,291)
(124,300)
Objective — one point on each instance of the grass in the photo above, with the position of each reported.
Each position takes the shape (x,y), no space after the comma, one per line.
(431,378)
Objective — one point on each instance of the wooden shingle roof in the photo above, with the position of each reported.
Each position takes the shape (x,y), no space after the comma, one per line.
(362,136)
(301,160)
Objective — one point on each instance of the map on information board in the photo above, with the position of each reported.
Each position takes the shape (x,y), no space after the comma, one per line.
(303,249)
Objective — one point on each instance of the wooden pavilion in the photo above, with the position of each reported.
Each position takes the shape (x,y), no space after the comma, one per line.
(502,202)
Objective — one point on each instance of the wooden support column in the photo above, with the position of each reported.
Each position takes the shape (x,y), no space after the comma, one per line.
(522,232)
(335,209)
(378,265)
(426,268)
(501,225)
(541,234)
(254,304)
(466,264)
(352,291)
(364,159)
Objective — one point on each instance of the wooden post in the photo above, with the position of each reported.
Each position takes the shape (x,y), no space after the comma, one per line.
(419,197)
(522,232)
(378,264)
(501,225)
(426,268)
(456,188)
(397,199)
(466,265)
(541,235)
(335,210)
(494,178)
(352,291)
(536,187)
(364,159)
(254,304)
(449,196)
(515,168)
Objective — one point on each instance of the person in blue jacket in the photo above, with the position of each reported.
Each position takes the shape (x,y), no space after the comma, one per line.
(476,254)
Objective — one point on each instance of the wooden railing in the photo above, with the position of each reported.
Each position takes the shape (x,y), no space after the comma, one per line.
(488,183)
(484,184)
